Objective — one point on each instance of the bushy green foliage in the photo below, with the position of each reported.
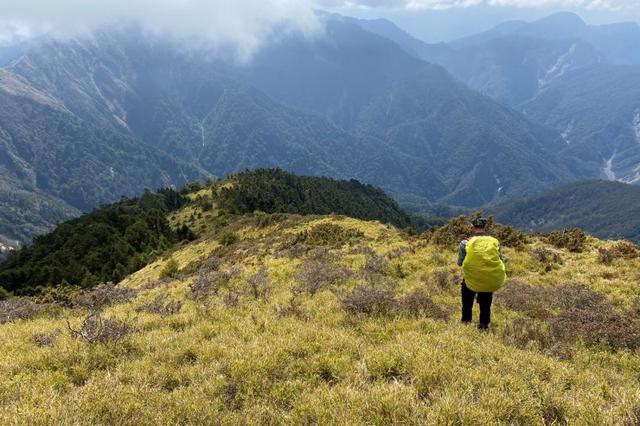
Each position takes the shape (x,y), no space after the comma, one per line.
(277,191)
(170,270)
(572,239)
(229,238)
(105,245)
(327,234)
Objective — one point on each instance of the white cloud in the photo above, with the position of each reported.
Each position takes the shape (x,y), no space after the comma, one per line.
(448,4)
(242,24)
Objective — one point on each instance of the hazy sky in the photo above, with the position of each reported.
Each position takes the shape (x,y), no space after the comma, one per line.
(443,20)
(245,24)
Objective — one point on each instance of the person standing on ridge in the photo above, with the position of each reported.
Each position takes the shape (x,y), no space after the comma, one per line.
(483,270)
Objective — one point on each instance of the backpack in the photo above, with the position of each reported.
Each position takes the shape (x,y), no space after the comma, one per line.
(483,270)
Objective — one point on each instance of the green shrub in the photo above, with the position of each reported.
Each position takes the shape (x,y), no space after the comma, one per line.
(328,234)
(573,239)
(229,238)
(4,294)
(170,270)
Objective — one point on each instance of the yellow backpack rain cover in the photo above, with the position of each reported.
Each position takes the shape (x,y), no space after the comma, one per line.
(483,270)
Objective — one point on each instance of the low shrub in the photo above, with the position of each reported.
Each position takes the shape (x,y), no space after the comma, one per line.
(625,250)
(95,329)
(161,306)
(259,285)
(573,239)
(375,264)
(419,303)
(444,279)
(63,295)
(229,238)
(547,255)
(596,326)
(538,301)
(102,296)
(606,256)
(316,275)
(170,270)
(369,299)
(292,309)
(507,235)
(207,284)
(620,250)
(452,233)
(328,234)
(22,308)
(534,301)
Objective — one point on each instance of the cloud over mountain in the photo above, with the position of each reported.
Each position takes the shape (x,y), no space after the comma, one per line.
(447,4)
(241,24)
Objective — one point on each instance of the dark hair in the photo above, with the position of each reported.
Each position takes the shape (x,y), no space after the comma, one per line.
(479,222)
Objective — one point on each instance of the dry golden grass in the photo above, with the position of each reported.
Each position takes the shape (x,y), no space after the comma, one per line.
(285,356)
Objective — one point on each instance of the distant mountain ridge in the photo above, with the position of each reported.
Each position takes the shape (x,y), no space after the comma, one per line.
(579,79)
(350,104)
(604,209)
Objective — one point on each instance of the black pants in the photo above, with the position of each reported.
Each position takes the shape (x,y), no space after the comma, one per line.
(484,300)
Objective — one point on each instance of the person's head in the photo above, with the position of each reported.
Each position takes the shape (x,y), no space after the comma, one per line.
(479,223)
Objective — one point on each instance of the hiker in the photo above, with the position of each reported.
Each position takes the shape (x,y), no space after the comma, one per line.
(483,270)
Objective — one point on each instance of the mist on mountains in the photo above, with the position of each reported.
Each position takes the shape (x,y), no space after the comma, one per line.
(240,25)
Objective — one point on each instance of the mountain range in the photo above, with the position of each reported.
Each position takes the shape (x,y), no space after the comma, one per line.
(510,112)
(88,120)
(578,79)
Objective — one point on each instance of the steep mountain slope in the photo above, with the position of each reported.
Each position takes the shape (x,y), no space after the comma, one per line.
(598,111)
(328,320)
(604,209)
(50,156)
(349,104)
(561,73)
(437,126)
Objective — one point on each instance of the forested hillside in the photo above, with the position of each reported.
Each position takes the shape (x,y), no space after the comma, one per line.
(118,239)
(604,209)
(276,191)
(105,245)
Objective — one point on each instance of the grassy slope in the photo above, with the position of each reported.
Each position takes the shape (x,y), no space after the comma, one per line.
(221,364)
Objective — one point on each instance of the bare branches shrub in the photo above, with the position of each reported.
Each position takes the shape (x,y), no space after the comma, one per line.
(159,305)
(419,303)
(369,299)
(44,339)
(534,301)
(22,308)
(259,285)
(104,295)
(207,284)
(316,275)
(547,255)
(596,326)
(95,329)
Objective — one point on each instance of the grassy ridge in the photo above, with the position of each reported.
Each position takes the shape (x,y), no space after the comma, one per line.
(120,238)
(328,320)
